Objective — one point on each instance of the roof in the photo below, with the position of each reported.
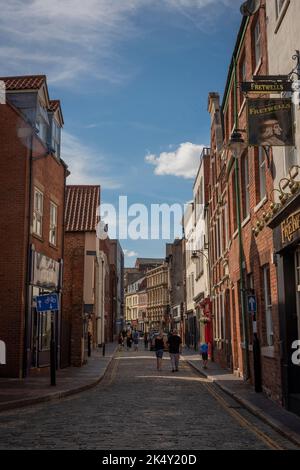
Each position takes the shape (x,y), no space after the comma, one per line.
(54,105)
(82,203)
(150,260)
(24,82)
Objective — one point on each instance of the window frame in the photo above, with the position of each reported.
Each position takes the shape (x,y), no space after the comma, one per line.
(38,213)
(262,173)
(268,305)
(53,226)
(257,42)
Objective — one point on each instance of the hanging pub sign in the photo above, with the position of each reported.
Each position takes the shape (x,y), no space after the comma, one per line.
(270,122)
(267,87)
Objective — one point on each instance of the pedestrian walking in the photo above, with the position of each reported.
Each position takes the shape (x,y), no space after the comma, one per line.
(204,353)
(120,341)
(174,343)
(136,338)
(146,340)
(129,340)
(159,350)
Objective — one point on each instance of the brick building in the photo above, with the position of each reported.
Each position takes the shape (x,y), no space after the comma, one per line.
(242,264)
(158,302)
(80,303)
(32,193)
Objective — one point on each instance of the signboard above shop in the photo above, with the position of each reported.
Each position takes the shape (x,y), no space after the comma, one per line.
(270,122)
(45,272)
(262,87)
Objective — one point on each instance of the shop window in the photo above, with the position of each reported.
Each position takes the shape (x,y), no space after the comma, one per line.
(45,325)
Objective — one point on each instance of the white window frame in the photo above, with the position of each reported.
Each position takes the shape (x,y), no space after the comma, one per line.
(53,223)
(280,4)
(257,43)
(246,184)
(262,173)
(56,137)
(38,209)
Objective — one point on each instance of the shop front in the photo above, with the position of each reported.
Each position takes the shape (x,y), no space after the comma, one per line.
(46,275)
(286,235)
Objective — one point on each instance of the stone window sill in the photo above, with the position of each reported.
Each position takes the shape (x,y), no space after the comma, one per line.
(260,204)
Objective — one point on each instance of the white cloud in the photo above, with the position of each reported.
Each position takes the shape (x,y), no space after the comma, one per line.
(74,39)
(182,162)
(85,164)
(130,253)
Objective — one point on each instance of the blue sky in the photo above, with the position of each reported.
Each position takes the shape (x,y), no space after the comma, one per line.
(133,78)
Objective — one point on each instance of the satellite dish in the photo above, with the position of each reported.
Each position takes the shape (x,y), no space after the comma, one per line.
(250,7)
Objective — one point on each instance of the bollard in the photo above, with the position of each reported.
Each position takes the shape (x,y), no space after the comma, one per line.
(103,349)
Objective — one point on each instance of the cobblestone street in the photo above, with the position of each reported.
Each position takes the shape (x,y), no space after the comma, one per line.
(136,407)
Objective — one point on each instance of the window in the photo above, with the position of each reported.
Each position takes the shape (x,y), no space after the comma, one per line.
(53,224)
(45,325)
(279,6)
(257,43)
(38,212)
(268,305)
(55,142)
(290,158)
(245,185)
(243,76)
(262,173)
(42,123)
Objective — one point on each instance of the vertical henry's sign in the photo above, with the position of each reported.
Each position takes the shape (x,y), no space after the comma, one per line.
(2,353)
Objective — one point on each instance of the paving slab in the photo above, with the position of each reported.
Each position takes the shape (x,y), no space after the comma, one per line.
(15,393)
(283,421)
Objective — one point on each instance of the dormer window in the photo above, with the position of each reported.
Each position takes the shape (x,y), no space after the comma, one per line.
(42,123)
(55,141)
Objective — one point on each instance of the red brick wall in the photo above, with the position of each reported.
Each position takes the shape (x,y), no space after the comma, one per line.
(14,216)
(257,251)
(73,293)
(14,168)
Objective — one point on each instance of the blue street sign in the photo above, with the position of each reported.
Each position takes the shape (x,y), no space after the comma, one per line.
(252,304)
(47,302)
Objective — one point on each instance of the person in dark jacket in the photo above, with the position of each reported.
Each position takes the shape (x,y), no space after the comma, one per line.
(174,343)
(159,350)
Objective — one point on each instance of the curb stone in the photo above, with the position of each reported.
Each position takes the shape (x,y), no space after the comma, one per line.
(273,423)
(10,405)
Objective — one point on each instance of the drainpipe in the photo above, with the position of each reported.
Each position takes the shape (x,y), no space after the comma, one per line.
(27,307)
(240,237)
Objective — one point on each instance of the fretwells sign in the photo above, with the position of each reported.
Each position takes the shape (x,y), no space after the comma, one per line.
(266,87)
(289,227)
(270,122)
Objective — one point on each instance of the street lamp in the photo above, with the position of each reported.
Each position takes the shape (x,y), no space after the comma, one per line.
(237,145)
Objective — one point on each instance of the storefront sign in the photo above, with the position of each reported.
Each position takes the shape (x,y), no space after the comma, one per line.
(45,271)
(2,353)
(266,87)
(289,227)
(270,122)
